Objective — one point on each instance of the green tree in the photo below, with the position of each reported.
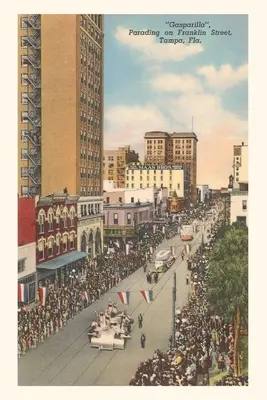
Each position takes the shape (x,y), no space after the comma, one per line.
(228,281)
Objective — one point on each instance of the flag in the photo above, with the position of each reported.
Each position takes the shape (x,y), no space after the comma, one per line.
(172,250)
(148,295)
(187,249)
(23,293)
(85,295)
(151,249)
(42,295)
(127,249)
(163,229)
(154,228)
(125,297)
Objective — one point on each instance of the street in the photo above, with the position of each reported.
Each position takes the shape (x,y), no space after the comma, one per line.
(66,359)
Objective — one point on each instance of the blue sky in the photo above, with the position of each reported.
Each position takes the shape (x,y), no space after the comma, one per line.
(152,86)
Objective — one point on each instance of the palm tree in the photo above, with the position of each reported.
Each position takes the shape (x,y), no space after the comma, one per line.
(228,281)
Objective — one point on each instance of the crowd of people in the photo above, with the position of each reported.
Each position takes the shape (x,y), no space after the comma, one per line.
(202,339)
(91,280)
(233,381)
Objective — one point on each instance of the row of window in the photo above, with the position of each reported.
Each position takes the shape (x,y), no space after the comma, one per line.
(90,209)
(160,141)
(52,224)
(54,246)
(89,48)
(90,191)
(133,186)
(86,25)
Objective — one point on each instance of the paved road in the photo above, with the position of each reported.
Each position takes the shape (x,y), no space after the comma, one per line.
(66,359)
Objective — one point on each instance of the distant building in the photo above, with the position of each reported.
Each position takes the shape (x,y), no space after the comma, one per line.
(157,196)
(177,148)
(177,178)
(114,163)
(124,221)
(203,192)
(175,203)
(239,207)
(240,163)
(27,247)
(109,185)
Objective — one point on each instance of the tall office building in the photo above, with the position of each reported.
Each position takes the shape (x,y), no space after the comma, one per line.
(174,148)
(114,163)
(60,104)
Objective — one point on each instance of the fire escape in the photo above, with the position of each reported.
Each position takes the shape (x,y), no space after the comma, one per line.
(34,102)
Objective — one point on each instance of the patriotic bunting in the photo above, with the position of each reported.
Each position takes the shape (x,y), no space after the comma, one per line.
(42,295)
(187,249)
(148,295)
(127,249)
(125,297)
(163,230)
(172,250)
(23,293)
(154,228)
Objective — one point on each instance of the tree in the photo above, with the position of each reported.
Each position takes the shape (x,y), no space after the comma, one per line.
(228,281)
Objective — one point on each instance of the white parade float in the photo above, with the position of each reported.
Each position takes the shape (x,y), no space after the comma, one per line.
(111,329)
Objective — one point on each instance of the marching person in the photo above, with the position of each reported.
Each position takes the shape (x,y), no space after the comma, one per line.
(140,321)
(187,279)
(143,341)
(156,277)
(182,256)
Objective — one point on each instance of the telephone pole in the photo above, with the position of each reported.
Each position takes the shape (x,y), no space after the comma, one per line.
(173,309)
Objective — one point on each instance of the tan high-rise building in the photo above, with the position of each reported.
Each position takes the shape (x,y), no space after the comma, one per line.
(114,163)
(174,148)
(60,104)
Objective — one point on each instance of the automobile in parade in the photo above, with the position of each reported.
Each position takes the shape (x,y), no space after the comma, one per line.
(164,260)
(111,329)
(187,232)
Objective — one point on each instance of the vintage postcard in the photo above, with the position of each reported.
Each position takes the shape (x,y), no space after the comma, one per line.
(132,200)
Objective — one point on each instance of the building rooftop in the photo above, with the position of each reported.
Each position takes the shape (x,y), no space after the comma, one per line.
(152,134)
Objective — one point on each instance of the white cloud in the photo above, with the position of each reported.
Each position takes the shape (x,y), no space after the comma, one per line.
(151,49)
(176,83)
(225,77)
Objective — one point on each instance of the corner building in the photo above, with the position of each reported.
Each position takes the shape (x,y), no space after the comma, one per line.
(60,104)
(177,148)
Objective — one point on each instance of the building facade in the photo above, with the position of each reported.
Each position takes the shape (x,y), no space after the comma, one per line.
(114,163)
(27,247)
(175,204)
(56,232)
(145,176)
(60,108)
(90,225)
(177,148)
(157,196)
(124,221)
(239,207)
(240,163)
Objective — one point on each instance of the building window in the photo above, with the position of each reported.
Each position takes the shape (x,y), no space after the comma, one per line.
(24,190)
(104,219)
(23,24)
(178,186)
(24,117)
(24,79)
(71,241)
(41,221)
(132,185)
(170,186)
(72,218)
(115,219)
(58,244)
(244,205)
(50,251)
(23,136)
(107,200)
(120,199)
(24,173)
(41,254)
(65,243)
(132,199)
(141,186)
(23,43)
(129,218)
(65,219)
(50,222)
(127,185)
(21,265)
(23,61)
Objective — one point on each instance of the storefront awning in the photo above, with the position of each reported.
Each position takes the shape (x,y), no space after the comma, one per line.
(61,261)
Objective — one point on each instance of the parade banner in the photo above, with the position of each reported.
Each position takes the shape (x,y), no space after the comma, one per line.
(154,228)
(151,249)
(127,249)
(163,230)
(172,250)
(187,249)
(23,293)
(148,295)
(42,295)
(125,297)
